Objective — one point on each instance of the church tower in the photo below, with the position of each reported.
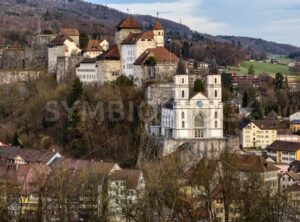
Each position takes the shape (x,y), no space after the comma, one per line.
(125,27)
(158,32)
(214,94)
(181,96)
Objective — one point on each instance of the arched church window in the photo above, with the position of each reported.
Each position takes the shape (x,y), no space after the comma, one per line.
(182,93)
(216,124)
(182,115)
(216,93)
(216,115)
(199,121)
(216,80)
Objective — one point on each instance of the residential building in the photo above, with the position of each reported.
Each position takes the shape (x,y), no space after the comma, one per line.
(259,133)
(289,178)
(86,71)
(126,188)
(295,116)
(93,49)
(71,32)
(295,126)
(284,151)
(193,115)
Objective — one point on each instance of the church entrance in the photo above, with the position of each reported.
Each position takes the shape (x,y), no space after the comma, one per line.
(199,126)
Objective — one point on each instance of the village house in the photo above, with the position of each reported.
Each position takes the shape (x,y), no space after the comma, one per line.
(70,32)
(126,188)
(86,71)
(93,49)
(284,151)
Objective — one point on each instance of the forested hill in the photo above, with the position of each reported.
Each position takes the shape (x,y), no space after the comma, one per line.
(20,18)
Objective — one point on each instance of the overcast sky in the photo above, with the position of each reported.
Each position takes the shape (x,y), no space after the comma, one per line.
(275,20)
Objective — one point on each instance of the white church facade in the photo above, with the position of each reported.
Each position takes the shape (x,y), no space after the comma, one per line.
(193,116)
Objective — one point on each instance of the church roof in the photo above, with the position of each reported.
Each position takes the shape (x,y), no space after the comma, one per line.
(132,38)
(169,104)
(160,54)
(157,26)
(93,45)
(128,23)
(111,54)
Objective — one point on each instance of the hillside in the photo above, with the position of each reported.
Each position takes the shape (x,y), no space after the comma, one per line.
(21,18)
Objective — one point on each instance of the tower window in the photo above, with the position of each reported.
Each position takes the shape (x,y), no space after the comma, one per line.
(216,80)
(158,33)
(216,124)
(216,115)
(183,124)
(182,80)
(182,115)
(182,93)
(216,93)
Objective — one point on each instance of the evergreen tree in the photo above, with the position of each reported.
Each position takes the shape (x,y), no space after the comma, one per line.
(75,93)
(83,40)
(245,99)
(257,112)
(286,82)
(198,85)
(251,70)
(16,140)
(278,81)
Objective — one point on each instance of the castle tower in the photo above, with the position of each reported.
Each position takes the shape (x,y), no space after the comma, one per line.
(158,31)
(125,27)
(181,96)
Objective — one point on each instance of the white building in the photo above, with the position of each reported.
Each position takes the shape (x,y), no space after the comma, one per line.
(295,116)
(86,71)
(93,49)
(193,116)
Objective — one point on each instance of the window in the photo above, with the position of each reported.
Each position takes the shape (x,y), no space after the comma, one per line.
(216,80)
(216,93)
(199,121)
(182,80)
(182,93)
(216,115)
(183,124)
(216,124)
(182,115)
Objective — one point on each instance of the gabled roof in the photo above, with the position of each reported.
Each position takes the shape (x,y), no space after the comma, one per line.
(69,31)
(284,146)
(128,23)
(294,188)
(111,54)
(132,38)
(130,177)
(160,54)
(93,46)
(60,40)
(157,26)
(267,124)
(253,163)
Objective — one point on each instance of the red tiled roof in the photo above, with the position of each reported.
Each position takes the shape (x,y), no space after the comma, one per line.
(284,146)
(254,163)
(157,26)
(128,23)
(111,54)
(60,40)
(161,54)
(132,38)
(69,31)
(93,46)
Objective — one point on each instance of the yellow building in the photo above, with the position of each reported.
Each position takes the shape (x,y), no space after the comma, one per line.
(259,133)
(284,151)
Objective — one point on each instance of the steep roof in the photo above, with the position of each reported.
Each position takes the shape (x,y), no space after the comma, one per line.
(132,38)
(60,40)
(157,26)
(160,54)
(93,46)
(128,23)
(111,54)
(254,163)
(130,177)
(69,31)
(284,146)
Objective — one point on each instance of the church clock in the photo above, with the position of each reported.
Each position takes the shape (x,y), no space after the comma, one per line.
(199,103)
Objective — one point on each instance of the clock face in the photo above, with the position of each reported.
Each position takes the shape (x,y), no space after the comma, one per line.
(199,103)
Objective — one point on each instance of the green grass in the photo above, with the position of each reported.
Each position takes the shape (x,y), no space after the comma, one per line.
(260,67)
